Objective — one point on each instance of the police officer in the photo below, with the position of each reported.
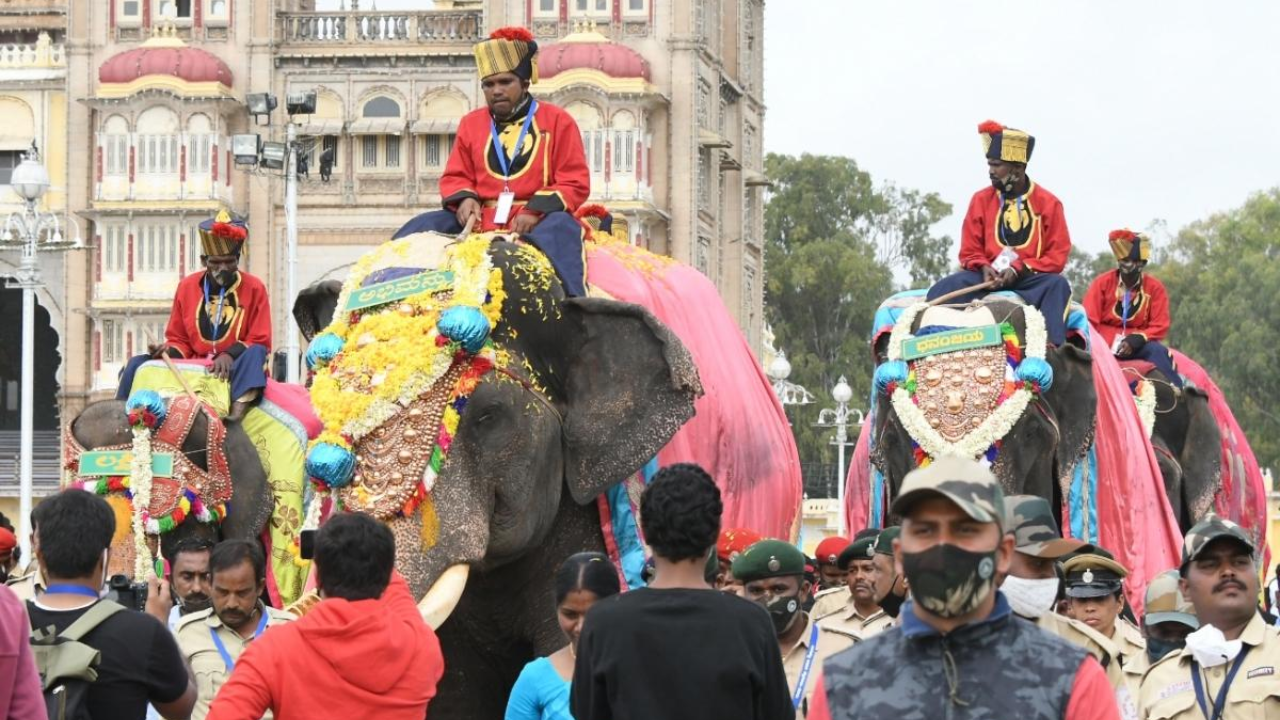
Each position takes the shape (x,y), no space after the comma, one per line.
(212,640)
(1095,587)
(1230,667)
(772,573)
(859,615)
(835,599)
(891,585)
(1169,619)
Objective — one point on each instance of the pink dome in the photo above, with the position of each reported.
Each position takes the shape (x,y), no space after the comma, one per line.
(187,63)
(614,60)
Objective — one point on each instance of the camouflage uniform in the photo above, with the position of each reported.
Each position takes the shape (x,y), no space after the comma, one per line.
(998,667)
(1167,689)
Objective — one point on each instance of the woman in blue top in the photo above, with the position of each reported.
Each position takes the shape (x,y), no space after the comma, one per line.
(542,690)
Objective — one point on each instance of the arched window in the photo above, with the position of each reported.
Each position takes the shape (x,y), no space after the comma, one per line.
(158,129)
(115,146)
(381,107)
(199,143)
(624,142)
(591,123)
(437,128)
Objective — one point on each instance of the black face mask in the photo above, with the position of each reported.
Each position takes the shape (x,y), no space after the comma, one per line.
(948,580)
(1005,186)
(783,612)
(1157,648)
(223,278)
(891,603)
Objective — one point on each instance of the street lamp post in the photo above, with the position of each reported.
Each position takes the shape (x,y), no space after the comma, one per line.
(30,180)
(839,418)
(788,393)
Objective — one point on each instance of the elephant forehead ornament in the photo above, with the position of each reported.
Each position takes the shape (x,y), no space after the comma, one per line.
(959,390)
(396,368)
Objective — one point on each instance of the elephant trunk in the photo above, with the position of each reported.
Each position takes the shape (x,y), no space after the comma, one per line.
(443,597)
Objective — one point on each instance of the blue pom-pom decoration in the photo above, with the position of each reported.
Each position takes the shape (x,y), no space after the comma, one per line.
(148,401)
(330,464)
(1035,370)
(323,348)
(466,325)
(893,371)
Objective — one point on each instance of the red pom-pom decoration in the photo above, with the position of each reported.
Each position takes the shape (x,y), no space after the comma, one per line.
(1125,234)
(229,231)
(990,127)
(592,210)
(512,33)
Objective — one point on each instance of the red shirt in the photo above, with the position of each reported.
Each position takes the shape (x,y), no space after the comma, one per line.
(1045,246)
(245,317)
(1148,307)
(549,174)
(369,659)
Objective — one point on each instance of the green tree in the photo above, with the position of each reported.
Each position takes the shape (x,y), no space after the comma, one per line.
(833,242)
(1082,268)
(1223,278)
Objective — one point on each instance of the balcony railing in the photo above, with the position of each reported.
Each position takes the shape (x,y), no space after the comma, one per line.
(41,54)
(405,28)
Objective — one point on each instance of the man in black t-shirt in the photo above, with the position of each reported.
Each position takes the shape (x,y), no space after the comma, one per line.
(679,649)
(140,662)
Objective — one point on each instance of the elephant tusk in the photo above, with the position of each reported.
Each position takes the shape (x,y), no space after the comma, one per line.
(443,597)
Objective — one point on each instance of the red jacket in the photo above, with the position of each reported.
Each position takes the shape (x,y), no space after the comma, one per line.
(245,318)
(1148,308)
(1046,248)
(21,694)
(373,659)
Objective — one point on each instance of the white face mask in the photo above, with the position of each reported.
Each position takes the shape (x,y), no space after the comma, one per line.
(1030,598)
(102,591)
(1211,648)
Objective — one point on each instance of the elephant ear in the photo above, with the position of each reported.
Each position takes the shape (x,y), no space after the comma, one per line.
(314,307)
(629,384)
(1074,401)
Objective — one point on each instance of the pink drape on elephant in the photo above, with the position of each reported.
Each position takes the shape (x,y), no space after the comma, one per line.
(857,487)
(1134,518)
(740,433)
(1242,497)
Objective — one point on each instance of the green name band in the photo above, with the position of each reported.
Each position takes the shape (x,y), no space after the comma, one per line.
(393,290)
(951,341)
(112,463)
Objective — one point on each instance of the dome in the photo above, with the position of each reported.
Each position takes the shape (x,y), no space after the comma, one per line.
(176,60)
(612,59)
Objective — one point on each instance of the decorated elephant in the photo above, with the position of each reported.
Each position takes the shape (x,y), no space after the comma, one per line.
(486,418)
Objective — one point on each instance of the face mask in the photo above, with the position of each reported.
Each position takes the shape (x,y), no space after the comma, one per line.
(1030,598)
(1157,648)
(102,591)
(223,278)
(949,581)
(891,604)
(783,611)
(1211,648)
(1006,185)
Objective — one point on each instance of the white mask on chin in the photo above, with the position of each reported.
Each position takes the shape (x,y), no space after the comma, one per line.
(1211,648)
(1030,598)
(106,556)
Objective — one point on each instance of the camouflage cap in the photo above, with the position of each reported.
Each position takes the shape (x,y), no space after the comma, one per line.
(1093,574)
(768,558)
(967,483)
(884,541)
(861,549)
(1166,603)
(1035,532)
(1206,531)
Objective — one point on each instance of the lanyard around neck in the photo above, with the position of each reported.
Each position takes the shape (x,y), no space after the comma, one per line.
(797,696)
(222,649)
(61,589)
(1220,704)
(503,160)
(215,321)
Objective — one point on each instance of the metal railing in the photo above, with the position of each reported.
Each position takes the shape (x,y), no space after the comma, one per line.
(345,28)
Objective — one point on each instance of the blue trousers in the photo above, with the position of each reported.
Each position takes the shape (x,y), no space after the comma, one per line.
(558,235)
(248,373)
(1157,354)
(1049,292)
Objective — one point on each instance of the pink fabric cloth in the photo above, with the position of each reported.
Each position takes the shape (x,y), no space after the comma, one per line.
(1242,496)
(21,697)
(740,433)
(1134,518)
(857,488)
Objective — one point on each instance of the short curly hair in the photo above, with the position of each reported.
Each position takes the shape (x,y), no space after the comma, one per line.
(680,512)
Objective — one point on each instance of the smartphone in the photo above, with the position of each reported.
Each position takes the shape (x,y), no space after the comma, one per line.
(307,544)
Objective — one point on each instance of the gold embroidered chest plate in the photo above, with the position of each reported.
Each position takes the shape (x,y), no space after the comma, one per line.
(958,391)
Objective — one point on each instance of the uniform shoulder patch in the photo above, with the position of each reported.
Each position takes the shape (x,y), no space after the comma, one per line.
(1263,671)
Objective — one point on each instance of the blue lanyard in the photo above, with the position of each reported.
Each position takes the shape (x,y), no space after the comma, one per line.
(1221,703)
(798,695)
(222,649)
(216,320)
(58,589)
(503,160)
(1124,309)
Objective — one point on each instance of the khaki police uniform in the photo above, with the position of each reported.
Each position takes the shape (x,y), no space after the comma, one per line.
(830,642)
(847,619)
(28,585)
(829,601)
(1168,693)
(195,639)
(1133,654)
(1076,632)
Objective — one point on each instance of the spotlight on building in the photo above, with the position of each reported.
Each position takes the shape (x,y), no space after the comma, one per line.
(260,103)
(274,154)
(301,103)
(244,148)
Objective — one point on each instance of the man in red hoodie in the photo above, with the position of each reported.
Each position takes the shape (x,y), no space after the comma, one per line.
(363,651)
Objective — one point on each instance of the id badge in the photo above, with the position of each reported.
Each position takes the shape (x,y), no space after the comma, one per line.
(1115,345)
(503,213)
(1005,260)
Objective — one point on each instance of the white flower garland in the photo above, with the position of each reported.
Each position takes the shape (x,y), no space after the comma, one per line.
(140,484)
(1145,399)
(996,426)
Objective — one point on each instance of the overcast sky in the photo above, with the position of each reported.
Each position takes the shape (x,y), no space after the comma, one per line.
(1142,109)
